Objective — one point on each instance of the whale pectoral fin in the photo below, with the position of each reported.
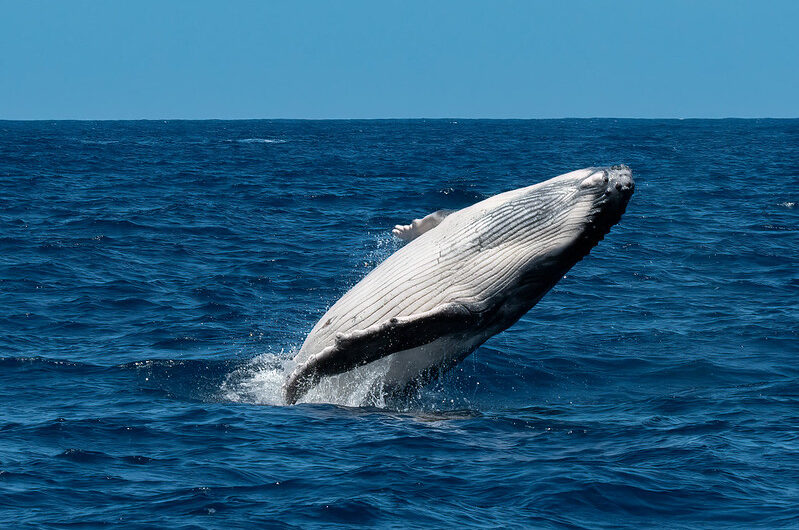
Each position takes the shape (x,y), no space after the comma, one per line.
(420,226)
(361,347)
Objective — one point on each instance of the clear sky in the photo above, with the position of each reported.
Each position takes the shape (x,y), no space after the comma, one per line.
(381,59)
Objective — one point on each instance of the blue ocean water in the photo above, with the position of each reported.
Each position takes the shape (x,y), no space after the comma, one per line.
(155,275)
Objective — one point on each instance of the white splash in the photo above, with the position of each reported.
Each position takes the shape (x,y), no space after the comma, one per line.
(260,382)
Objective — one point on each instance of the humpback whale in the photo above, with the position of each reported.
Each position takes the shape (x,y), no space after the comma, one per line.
(463,277)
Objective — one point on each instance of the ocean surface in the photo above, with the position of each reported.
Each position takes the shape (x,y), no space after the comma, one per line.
(155,278)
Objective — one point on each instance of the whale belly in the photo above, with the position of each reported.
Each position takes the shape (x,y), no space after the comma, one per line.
(404,367)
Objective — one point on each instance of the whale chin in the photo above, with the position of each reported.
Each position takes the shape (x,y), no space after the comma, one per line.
(463,277)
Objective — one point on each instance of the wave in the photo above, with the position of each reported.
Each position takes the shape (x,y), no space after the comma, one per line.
(260,141)
(98,142)
(258,381)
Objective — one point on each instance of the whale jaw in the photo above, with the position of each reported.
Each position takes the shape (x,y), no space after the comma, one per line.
(612,188)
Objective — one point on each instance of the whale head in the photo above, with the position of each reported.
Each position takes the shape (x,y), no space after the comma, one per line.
(556,223)
(608,190)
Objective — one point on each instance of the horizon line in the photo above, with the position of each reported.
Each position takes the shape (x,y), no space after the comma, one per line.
(441,118)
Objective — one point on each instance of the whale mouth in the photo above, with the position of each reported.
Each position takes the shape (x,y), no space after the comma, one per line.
(612,187)
(620,178)
(611,181)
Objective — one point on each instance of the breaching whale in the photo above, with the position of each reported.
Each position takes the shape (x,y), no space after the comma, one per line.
(464,276)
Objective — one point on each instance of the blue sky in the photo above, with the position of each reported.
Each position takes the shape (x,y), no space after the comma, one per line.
(382,59)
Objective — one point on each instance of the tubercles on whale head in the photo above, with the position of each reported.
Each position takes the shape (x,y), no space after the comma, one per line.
(617,186)
(610,189)
(610,180)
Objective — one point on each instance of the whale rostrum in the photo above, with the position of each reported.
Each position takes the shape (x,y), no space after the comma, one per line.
(463,277)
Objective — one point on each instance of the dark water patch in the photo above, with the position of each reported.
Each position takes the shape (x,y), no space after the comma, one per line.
(182,379)
(48,365)
(82,456)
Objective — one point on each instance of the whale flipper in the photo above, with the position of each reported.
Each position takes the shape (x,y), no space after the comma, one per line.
(420,226)
(361,347)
